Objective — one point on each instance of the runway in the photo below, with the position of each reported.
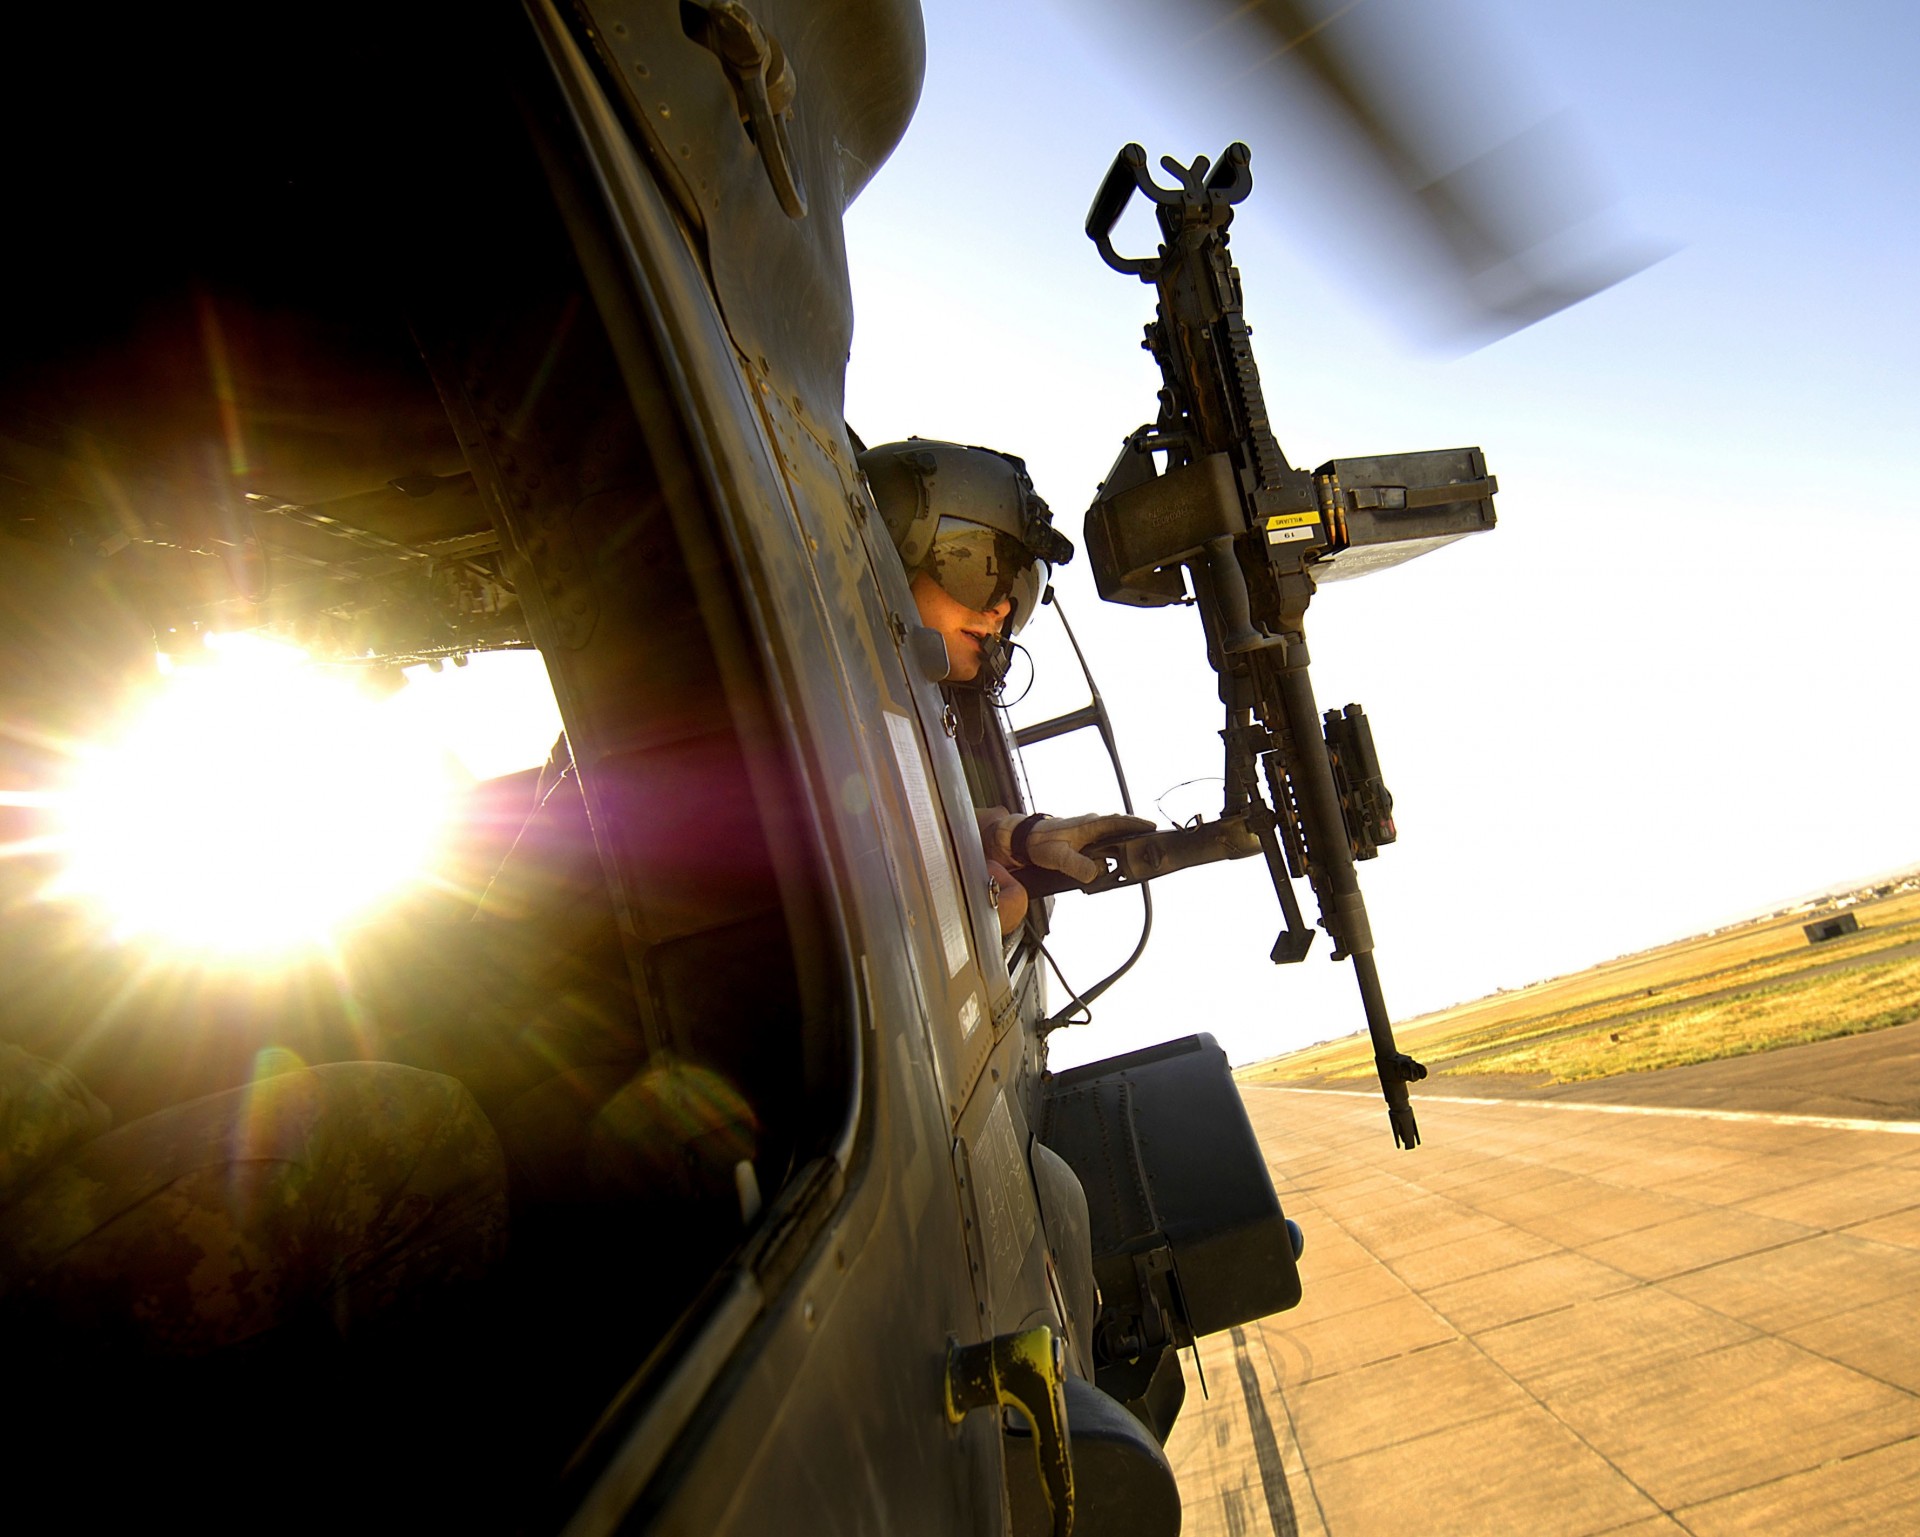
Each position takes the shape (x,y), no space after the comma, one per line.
(1573,1319)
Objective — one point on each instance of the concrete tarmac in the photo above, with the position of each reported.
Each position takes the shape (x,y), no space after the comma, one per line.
(1557,1319)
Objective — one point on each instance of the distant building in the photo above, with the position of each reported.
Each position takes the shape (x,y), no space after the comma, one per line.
(1831,928)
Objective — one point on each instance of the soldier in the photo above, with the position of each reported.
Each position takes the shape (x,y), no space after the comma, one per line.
(979,546)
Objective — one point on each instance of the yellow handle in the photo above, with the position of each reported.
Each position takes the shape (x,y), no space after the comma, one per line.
(1025,1371)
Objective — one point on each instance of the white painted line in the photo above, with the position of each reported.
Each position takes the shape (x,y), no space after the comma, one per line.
(1819,1122)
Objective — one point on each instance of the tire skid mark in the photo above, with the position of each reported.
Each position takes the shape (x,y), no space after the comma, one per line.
(1273,1473)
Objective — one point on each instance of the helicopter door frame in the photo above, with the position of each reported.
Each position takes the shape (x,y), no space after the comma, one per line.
(830,1336)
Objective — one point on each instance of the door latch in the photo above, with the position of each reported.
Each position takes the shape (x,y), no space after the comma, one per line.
(763,84)
(1025,1371)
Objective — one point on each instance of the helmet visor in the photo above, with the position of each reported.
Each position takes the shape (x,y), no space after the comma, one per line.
(982,567)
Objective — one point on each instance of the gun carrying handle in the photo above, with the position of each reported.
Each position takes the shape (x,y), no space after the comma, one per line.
(1123,177)
(1232,179)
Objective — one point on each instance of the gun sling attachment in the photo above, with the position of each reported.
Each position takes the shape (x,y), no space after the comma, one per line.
(1253,538)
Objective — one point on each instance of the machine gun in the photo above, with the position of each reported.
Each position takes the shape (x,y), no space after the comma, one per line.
(1254,537)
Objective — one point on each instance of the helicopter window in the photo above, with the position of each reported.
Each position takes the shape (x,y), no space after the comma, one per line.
(376,790)
(996,777)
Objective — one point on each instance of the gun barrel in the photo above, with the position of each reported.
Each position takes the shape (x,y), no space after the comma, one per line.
(1343,910)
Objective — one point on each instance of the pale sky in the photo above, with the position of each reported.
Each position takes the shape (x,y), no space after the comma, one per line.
(1674,686)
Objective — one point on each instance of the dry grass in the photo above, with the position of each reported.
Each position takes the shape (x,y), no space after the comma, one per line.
(1753,986)
(1786,1014)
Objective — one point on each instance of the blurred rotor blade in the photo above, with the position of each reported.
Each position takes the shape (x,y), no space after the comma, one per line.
(1422,153)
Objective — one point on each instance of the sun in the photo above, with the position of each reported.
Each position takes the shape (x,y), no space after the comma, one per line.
(255,804)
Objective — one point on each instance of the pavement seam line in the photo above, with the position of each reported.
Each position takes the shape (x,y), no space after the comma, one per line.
(1776,1334)
(1474,1344)
(1847,1231)
(1426,1435)
(1831,1462)
(1660,1283)
(1530,1151)
(1551,1413)
(1767,1118)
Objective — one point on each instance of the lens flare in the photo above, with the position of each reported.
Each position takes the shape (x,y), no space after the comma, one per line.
(255,805)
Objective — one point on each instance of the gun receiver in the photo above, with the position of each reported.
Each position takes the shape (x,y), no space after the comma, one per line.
(1253,537)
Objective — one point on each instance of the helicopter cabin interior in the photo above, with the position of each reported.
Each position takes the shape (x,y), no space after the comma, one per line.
(229,260)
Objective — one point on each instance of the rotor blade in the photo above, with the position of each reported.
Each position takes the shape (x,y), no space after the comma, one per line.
(1416,141)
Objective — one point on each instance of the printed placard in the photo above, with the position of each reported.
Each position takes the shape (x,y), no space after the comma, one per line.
(933,846)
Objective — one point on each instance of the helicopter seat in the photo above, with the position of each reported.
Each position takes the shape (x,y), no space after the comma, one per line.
(338,1193)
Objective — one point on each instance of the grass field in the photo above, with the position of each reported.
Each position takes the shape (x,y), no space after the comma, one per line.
(1752,988)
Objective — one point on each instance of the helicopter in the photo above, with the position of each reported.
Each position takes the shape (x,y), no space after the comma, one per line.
(527,329)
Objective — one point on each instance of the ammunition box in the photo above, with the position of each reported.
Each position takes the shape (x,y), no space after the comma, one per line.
(1385,510)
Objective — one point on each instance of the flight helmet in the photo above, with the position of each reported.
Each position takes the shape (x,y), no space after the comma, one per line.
(970,519)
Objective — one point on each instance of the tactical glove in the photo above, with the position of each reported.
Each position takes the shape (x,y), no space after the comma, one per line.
(1054,843)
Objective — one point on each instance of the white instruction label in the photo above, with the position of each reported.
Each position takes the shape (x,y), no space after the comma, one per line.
(1005,1194)
(933,846)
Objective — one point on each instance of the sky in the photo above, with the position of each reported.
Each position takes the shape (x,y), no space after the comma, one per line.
(1674,686)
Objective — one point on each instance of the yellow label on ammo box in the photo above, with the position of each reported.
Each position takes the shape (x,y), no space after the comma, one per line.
(1285,527)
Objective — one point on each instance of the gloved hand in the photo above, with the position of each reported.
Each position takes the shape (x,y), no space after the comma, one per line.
(1053,843)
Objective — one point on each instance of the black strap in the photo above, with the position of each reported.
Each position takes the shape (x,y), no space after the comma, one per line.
(1406,498)
(1022,831)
